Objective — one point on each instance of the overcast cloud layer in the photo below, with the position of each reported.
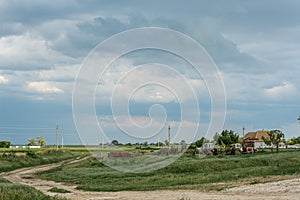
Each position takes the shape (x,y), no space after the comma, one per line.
(255,45)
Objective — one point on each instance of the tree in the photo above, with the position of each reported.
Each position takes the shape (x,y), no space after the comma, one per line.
(167,142)
(200,142)
(226,138)
(145,143)
(40,141)
(115,142)
(294,140)
(4,144)
(268,141)
(275,137)
(31,142)
(159,144)
(193,148)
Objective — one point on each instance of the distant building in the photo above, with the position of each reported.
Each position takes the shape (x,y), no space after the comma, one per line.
(255,139)
(295,146)
(25,147)
(208,145)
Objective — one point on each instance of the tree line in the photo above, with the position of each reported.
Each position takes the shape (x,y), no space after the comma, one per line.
(39,140)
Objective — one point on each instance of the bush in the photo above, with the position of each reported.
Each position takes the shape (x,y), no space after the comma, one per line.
(31,154)
(4,144)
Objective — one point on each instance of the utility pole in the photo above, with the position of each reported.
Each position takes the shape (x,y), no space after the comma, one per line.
(62,141)
(169,134)
(243,131)
(56,137)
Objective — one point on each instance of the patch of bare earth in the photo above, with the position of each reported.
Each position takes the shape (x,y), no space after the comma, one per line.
(278,189)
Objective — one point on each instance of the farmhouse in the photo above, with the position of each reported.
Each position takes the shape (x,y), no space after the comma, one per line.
(255,139)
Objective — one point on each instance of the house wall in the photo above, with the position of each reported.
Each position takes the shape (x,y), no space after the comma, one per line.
(261,145)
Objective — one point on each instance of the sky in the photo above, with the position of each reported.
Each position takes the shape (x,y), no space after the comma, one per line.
(46,45)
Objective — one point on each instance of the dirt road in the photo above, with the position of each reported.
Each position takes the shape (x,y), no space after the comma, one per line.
(286,189)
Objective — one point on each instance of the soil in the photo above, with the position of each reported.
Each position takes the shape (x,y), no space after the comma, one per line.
(284,189)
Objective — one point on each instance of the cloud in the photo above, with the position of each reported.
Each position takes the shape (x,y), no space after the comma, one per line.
(61,73)
(3,79)
(11,28)
(33,12)
(148,83)
(37,84)
(27,52)
(81,36)
(255,46)
(224,51)
(43,87)
(285,90)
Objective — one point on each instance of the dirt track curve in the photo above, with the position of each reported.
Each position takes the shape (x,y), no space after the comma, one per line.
(287,189)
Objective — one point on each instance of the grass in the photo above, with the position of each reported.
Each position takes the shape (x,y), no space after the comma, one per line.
(14,159)
(10,191)
(11,159)
(209,173)
(58,190)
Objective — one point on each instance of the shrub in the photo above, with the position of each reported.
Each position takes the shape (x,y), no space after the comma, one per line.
(31,154)
(4,144)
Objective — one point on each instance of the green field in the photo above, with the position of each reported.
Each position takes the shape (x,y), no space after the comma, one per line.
(208,173)
(11,159)
(188,172)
